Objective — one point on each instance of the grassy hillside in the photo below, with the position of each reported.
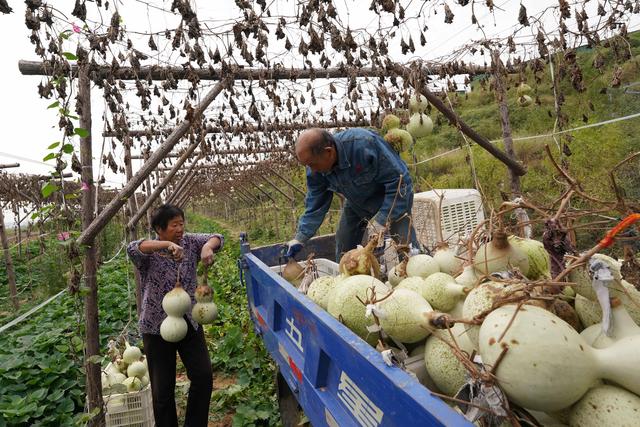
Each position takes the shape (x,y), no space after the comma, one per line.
(594,151)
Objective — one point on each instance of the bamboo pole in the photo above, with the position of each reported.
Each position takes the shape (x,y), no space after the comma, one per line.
(286,181)
(263,192)
(112,208)
(9,165)
(11,273)
(90,262)
(277,188)
(148,188)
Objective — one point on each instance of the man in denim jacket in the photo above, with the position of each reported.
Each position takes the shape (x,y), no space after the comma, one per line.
(361,166)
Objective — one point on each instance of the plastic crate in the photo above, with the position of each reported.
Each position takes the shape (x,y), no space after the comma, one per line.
(461,211)
(325,267)
(129,409)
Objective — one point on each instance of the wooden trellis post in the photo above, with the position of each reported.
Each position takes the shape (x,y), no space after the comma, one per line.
(132,233)
(501,96)
(90,262)
(11,274)
(148,188)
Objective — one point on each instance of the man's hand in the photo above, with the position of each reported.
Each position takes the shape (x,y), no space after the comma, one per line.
(293,247)
(175,251)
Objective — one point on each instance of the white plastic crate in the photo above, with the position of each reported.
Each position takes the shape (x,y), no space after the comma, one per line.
(325,267)
(129,409)
(461,211)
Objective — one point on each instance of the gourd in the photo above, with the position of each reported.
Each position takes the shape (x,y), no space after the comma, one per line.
(204,310)
(443,367)
(136,369)
(131,353)
(500,255)
(548,366)
(622,325)
(442,291)
(404,316)
(606,405)
(176,304)
(447,260)
(133,384)
(320,289)
(468,278)
(360,261)
(421,265)
(398,273)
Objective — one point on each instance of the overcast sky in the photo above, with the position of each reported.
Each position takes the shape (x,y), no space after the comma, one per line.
(28,127)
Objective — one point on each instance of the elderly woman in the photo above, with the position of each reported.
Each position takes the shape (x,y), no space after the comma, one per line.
(157,262)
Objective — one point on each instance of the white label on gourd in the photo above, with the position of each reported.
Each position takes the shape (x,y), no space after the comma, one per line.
(602,277)
(360,406)
(294,333)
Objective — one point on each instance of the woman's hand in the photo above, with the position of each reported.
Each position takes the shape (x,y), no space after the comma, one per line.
(206,255)
(212,246)
(175,251)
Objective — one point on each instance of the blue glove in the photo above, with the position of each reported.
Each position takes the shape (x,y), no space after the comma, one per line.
(292,248)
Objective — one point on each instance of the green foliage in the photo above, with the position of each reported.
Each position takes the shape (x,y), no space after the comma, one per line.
(41,374)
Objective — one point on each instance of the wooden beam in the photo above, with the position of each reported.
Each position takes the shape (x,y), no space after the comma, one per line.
(154,72)
(9,165)
(213,166)
(167,179)
(288,182)
(186,178)
(112,208)
(89,247)
(236,130)
(457,121)
(277,188)
(8,261)
(226,152)
(263,192)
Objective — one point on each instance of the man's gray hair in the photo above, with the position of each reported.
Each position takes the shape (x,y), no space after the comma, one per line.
(324,140)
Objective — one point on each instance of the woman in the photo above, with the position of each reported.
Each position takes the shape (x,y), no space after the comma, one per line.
(157,261)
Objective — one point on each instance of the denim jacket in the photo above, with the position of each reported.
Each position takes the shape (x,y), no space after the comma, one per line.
(367,173)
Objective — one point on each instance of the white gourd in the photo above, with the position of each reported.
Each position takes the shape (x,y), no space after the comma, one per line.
(479,300)
(136,369)
(500,255)
(580,276)
(131,353)
(176,302)
(468,278)
(173,329)
(145,381)
(104,379)
(421,265)
(446,370)
(415,284)
(404,316)
(548,366)
(442,291)
(606,405)
(116,378)
(447,260)
(204,310)
(132,384)
(622,326)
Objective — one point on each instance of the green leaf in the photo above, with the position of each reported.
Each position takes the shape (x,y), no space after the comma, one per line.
(54,105)
(96,358)
(49,157)
(82,133)
(48,188)
(71,196)
(54,145)
(70,56)
(67,148)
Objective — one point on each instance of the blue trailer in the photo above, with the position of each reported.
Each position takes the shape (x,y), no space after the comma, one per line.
(331,373)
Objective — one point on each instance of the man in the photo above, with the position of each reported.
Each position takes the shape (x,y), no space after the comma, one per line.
(375,182)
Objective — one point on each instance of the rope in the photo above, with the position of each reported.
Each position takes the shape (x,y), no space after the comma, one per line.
(544,135)
(124,243)
(30,312)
